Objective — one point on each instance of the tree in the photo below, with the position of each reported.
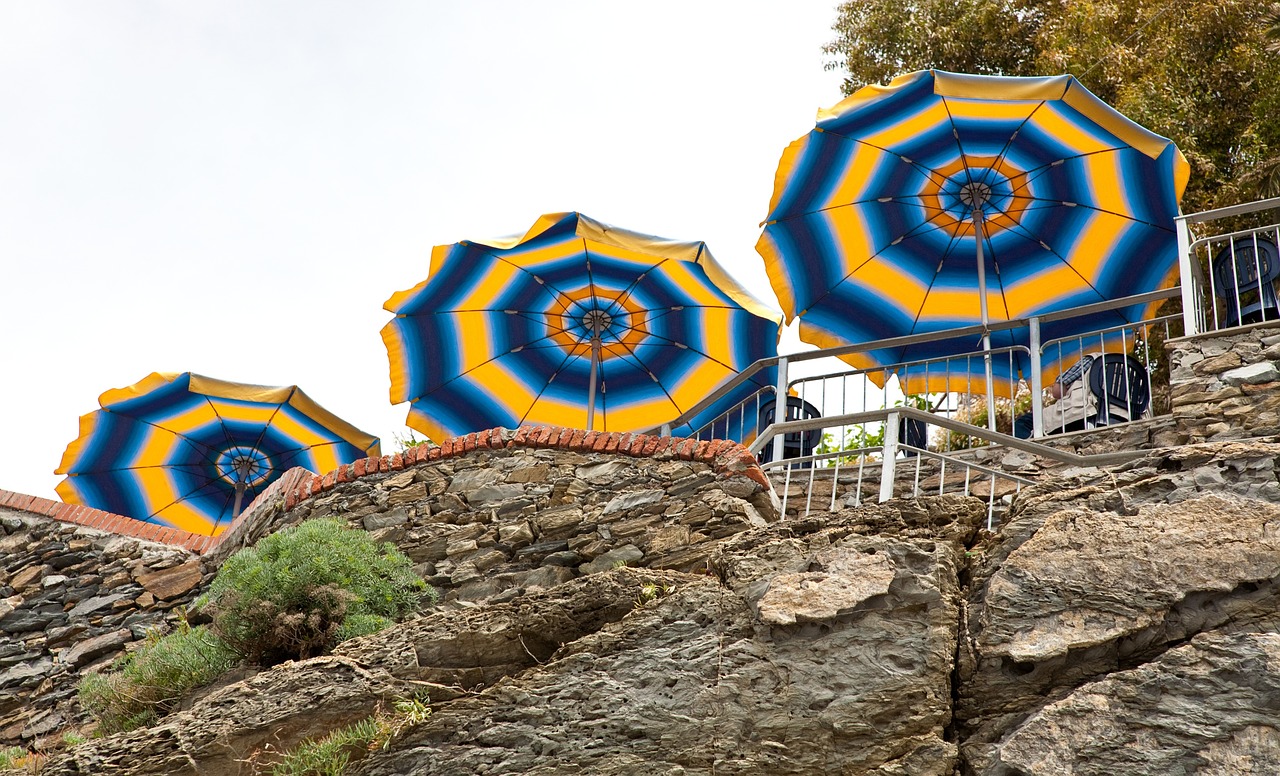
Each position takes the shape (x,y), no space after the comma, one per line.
(1198,73)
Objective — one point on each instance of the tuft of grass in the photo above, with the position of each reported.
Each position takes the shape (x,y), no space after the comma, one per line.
(17,758)
(652,592)
(331,754)
(150,681)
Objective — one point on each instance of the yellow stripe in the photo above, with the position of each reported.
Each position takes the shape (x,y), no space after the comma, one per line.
(76,448)
(775,268)
(141,388)
(869,93)
(979,87)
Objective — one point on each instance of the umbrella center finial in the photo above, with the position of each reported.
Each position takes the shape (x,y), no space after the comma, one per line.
(597,320)
(975,195)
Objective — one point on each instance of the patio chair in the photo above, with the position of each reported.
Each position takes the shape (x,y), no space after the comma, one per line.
(1256,268)
(1118,382)
(798,443)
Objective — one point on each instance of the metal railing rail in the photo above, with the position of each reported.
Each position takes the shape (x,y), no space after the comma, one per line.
(1198,307)
(1032,323)
(890,419)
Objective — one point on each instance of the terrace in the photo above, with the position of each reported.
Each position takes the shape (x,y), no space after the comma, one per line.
(853,435)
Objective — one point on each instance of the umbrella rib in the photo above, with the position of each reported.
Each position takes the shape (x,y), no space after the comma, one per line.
(531,345)
(555,291)
(951,243)
(910,233)
(673,343)
(640,363)
(546,385)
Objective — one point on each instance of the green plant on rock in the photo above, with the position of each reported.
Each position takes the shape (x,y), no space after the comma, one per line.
(15,757)
(150,681)
(299,592)
(652,591)
(330,755)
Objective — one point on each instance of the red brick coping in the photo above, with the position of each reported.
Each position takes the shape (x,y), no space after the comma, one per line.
(107,521)
(724,456)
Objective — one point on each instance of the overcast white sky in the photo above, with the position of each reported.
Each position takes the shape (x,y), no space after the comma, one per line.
(235,188)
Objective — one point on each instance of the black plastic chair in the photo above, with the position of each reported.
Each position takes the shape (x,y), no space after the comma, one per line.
(797,444)
(1121,382)
(1248,268)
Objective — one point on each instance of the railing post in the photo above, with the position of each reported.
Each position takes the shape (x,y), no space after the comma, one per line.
(1037,386)
(889,453)
(1190,290)
(780,408)
(666,430)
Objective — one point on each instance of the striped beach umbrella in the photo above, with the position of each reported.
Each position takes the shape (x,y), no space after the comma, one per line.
(575,323)
(943,201)
(188,451)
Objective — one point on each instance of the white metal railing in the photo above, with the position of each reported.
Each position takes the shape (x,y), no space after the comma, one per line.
(881,463)
(1228,278)
(846,390)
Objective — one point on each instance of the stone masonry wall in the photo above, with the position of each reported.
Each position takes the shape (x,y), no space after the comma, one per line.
(1226,387)
(71,598)
(494,513)
(499,512)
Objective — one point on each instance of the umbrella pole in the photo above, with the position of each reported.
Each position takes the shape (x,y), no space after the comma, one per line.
(982,305)
(242,472)
(596,325)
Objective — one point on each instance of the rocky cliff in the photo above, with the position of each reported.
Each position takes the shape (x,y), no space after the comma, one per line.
(1118,621)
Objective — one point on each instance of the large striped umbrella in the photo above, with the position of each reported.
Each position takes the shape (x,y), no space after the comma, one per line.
(944,200)
(576,323)
(189,451)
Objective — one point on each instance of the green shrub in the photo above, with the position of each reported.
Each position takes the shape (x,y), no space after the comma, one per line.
(150,681)
(299,592)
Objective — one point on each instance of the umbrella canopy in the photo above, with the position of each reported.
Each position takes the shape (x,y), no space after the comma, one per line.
(574,319)
(187,451)
(944,200)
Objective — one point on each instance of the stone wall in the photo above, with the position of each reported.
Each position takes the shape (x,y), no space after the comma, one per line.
(500,512)
(1226,386)
(71,598)
(496,513)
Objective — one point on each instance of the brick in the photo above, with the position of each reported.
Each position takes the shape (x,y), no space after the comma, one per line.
(757,476)
(638,442)
(683,448)
(468,443)
(357,468)
(496,442)
(522,435)
(342,474)
(701,450)
(563,438)
(576,438)
(327,482)
(434,454)
(397,462)
(542,436)
(602,441)
(615,442)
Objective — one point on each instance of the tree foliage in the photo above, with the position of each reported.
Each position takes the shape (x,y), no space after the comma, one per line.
(1203,74)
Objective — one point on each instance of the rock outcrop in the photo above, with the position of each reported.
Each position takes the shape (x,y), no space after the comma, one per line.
(1118,621)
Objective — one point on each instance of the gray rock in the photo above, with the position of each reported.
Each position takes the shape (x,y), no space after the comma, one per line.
(628,501)
(621,556)
(1264,372)
(90,605)
(97,646)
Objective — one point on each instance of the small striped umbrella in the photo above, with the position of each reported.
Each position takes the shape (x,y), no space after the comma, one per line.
(184,450)
(576,323)
(942,201)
